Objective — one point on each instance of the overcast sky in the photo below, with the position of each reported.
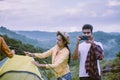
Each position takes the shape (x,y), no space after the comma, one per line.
(63,15)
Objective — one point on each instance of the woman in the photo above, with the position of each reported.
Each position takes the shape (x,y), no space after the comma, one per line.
(60,57)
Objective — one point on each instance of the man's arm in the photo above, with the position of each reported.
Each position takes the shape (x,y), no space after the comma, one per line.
(97,48)
(98,51)
(75,54)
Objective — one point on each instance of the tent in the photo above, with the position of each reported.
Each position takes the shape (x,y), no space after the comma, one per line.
(19,68)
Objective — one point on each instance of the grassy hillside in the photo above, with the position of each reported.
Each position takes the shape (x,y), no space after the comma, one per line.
(19,47)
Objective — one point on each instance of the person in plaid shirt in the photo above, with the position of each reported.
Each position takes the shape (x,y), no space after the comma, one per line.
(89,53)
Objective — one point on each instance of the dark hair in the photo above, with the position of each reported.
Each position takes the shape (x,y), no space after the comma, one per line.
(88,26)
(69,53)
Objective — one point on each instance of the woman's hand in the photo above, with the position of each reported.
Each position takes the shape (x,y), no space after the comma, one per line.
(13,51)
(29,54)
(37,64)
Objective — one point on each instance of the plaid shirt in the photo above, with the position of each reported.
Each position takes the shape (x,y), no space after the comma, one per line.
(95,53)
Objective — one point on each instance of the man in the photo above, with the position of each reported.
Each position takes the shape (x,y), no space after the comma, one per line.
(89,52)
(4,49)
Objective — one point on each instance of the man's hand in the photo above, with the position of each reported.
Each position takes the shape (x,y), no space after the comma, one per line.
(79,39)
(90,39)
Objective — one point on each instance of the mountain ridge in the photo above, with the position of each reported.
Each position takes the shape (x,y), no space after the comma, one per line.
(110,41)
